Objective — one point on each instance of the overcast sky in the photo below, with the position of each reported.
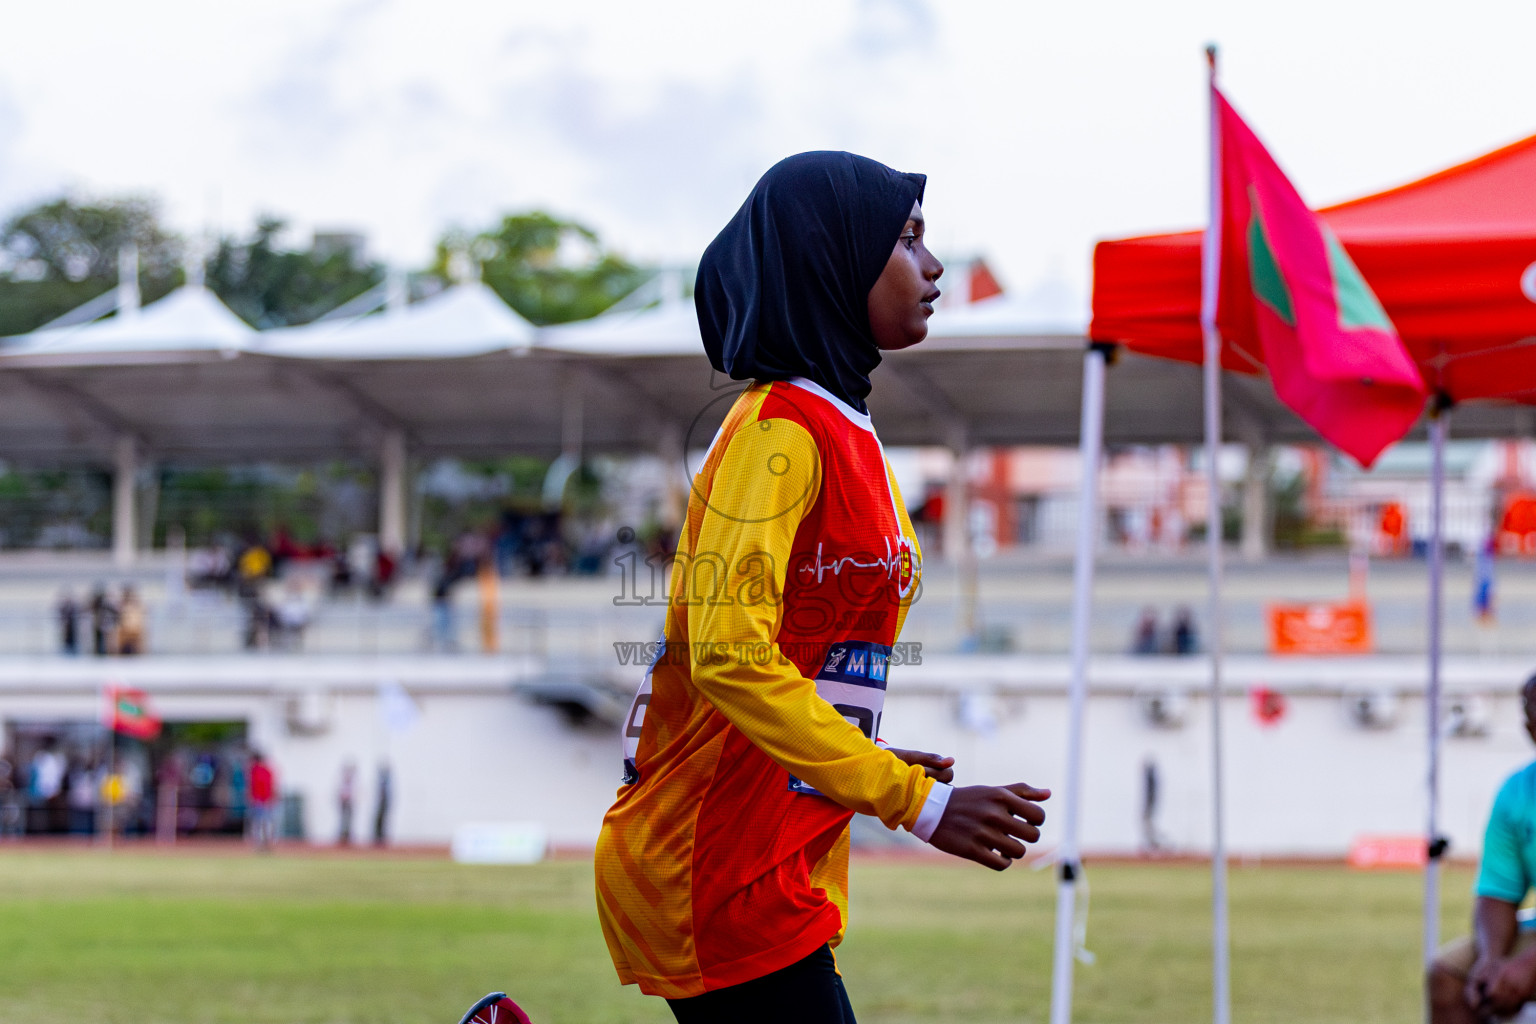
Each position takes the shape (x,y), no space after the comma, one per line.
(1042,126)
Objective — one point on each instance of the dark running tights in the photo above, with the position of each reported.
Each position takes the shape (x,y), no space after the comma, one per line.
(806,992)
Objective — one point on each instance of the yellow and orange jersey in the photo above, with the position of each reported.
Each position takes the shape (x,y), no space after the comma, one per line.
(751,742)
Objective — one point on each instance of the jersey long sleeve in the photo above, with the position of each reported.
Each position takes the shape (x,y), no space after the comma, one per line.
(749,745)
(768,478)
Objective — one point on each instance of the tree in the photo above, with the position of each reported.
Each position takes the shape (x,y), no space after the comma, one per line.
(551,271)
(62,253)
(274,287)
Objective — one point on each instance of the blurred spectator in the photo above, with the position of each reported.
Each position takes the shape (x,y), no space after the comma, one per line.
(381,812)
(209,567)
(45,786)
(362,561)
(1485,977)
(131,620)
(290,618)
(490,597)
(168,780)
(103,622)
(284,549)
(1185,639)
(540,541)
(125,788)
(928,519)
(469,550)
(253,566)
(1392,529)
(230,788)
(346,792)
(462,560)
(196,806)
(591,550)
(117,796)
(444,634)
(341,573)
(1483,603)
(82,785)
(1145,639)
(261,789)
(508,542)
(13,811)
(1151,842)
(68,612)
(660,539)
(1517,527)
(258,623)
(384,566)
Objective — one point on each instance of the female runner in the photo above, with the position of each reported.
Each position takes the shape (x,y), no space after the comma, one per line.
(722,866)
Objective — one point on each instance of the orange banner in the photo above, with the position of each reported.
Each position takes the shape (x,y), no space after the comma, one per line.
(1321,628)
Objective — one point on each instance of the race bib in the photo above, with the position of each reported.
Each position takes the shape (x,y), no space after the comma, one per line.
(635,720)
(852,680)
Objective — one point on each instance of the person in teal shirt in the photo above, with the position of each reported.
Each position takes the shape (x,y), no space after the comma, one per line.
(1491,974)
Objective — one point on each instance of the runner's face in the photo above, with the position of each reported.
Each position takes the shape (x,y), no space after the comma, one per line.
(902,299)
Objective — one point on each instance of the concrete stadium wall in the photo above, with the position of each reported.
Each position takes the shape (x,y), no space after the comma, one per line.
(1308,785)
(479,751)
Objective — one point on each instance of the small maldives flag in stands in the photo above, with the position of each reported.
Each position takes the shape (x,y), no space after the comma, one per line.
(128,713)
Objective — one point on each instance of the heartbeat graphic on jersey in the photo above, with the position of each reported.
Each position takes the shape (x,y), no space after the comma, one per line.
(903,565)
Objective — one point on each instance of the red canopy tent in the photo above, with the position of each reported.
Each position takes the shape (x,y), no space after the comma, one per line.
(1452,257)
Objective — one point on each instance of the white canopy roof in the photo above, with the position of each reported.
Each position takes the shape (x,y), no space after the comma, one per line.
(1009,316)
(187,325)
(467,319)
(462,374)
(668,329)
(671,328)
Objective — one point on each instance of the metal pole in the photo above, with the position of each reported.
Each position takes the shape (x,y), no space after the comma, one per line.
(1210,286)
(1439,425)
(1091,445)
(125,473)
(1255,543)
(392,456)
(110,788)
(128,297)
(104,817)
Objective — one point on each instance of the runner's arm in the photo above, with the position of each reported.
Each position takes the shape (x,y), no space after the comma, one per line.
(767,481)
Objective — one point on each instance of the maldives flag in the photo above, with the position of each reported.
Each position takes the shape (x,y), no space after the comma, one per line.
(1293,301)
(128,713)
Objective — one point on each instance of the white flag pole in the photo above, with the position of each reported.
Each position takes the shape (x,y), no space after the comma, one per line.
(1090,449)
(1210,285)
(1439,425)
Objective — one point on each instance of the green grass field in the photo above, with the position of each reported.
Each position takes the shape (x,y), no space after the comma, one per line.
(187,939)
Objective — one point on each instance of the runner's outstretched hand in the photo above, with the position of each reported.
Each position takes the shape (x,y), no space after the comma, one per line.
(991,824)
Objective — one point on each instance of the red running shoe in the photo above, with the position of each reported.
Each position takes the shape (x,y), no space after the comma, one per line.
(496,1008)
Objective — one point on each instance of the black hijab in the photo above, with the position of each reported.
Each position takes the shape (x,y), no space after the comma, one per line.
(783,290)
